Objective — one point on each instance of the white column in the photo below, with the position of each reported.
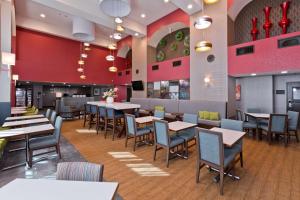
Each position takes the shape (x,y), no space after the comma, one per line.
(5,78)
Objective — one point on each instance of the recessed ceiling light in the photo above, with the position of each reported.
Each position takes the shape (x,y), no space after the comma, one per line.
(284,72)
(118,20)
(143,15)
(111,36)
(166,1)
(189,6)
(27,81)
(136,34)
(253,74)
(42,15)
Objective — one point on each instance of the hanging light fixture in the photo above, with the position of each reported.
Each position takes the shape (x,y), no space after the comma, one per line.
(110,58)
(117,36)
(112,46)
(118,20)
(83,55)
(82,76)
(80,69)
(112,69)
(115,8)
(120,28)
(81,62)
(210,1)
(203,46)
(203,22)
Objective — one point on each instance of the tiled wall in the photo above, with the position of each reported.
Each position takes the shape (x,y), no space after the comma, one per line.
(243,24)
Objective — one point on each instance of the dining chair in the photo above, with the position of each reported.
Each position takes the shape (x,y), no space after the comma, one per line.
(101,116)
(113,119)
(236,126)
(53,117)
(133,132)
(86,113)
(277,125)
(188,134)
(48,113)
(163,140)
(80,171)
(211,152)
(159,114)
(93,115)
(45,142)
(293,118)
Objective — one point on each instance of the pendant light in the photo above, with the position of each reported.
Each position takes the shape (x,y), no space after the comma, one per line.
(82,76)
(112,46)
(203,46)
(113,68)
(110,58)
(117,36)
(203,22)
(118,20)
(210,1)
(80,69)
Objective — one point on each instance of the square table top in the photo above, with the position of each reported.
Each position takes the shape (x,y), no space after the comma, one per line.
(230,137)
(26,130)
(115,105)
(146,119)
(45,189)
(259,115)
(180,125)
(24,117)
(18,112)
(25,122)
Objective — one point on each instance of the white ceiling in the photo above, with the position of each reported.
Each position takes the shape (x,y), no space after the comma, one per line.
(59,14)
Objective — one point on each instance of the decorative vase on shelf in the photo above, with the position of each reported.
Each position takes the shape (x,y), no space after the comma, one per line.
(285,21)
(109,100)
(268,24)
(254,30)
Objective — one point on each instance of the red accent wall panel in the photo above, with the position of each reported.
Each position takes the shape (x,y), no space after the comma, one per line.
(267,57)
(166,70)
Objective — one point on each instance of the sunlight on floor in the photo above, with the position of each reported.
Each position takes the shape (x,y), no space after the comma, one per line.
(143,169)
(86,131)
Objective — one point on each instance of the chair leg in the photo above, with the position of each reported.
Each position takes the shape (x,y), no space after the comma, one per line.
(286,137)
(198,172)
(154,154)
(221,181)
(30,158)
(105,127)
(296,134)
(58,150)
(168,155)
(269,137)
(84,120)
(134,145)
(241,159)
(114,129)
(126,140)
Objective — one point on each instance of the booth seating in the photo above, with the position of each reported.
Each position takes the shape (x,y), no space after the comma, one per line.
(175,108)
(70,107)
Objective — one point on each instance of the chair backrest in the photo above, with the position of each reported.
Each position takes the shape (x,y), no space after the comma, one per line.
(159,108)
(79,171)
(278,123)
(191,118)
(102,111)
(110,113)
(232,124)
(293,120)
(53,117)
(161,132)
(87,108)
(159,114)
(210,146)
(254,110)
(239,115)
(130,124)
(48,113)
(94,109)
(57,131)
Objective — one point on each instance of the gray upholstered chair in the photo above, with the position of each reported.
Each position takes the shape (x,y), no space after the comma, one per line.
(80,171)
(101,116)
(236,126)
(53,117)
(159,114)
(293,123)
(188,134)
(48,141)
(48,113)
(211,152)
(133,132)
(113,119)
(163,140)
(251,124)
(277,125)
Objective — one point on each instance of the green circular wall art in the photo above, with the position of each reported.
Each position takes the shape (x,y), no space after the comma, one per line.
(160,56)
(179,36)
(186,41)
(174,46)
(186,52)
(162,43)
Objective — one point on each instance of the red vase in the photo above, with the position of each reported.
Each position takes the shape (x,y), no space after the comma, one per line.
(254,30)
(284,22)
(268,24)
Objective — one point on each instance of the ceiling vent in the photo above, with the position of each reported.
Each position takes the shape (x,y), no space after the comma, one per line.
(83,30)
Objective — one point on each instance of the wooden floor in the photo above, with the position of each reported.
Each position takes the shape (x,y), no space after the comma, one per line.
(270,171)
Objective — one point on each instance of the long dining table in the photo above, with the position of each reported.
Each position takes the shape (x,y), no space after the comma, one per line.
(25,122)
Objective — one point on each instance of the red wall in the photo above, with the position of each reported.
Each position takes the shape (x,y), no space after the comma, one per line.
(45,58)
(267,57)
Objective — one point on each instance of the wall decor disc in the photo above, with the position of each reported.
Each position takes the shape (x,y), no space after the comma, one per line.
(211,58)
(174,46)
(186,51)
(179,36)
(160,56)
(162,43)
(186,41)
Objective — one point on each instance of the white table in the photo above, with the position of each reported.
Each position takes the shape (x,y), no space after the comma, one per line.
(230,137)
(115,105)
(19,107)
(179,125)
(259,115)
(147,119)
(25,122)
(18,112)
(43,189)
(24,117)
(26,131)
